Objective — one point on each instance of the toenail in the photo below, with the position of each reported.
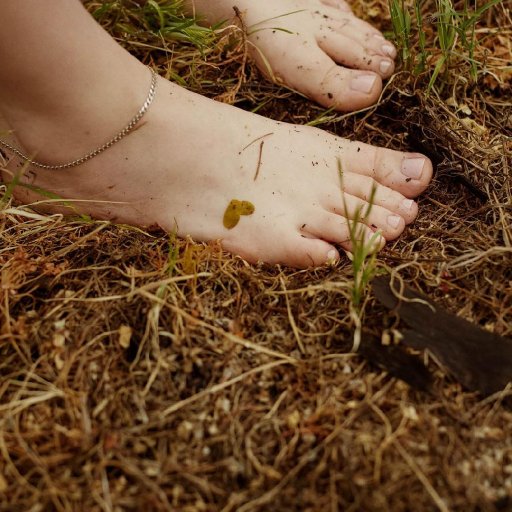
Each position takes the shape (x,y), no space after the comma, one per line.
(363,83)
(331,255)
(413,167)
(394,221)
(407,204)
(388,49)
(375,239)
(379,36)
(385,66)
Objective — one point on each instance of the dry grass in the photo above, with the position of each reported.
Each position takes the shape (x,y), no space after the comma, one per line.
(141,373)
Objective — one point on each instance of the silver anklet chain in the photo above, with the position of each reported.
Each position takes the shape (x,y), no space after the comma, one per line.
(129,127)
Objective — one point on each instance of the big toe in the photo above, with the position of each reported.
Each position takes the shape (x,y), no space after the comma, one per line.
(305,67)
(348,90)
(333,86)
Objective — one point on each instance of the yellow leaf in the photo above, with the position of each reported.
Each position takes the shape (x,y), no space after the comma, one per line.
(234,210)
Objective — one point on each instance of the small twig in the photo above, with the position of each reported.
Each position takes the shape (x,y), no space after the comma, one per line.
(256,140)
(238,14)
(259,160)
(230,95)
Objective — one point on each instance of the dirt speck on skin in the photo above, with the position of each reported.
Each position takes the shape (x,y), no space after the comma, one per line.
(141,372)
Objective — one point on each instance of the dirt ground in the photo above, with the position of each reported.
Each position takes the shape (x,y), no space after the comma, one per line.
(140,372)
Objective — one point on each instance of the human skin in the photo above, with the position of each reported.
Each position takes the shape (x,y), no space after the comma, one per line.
(317,47)
(66,87)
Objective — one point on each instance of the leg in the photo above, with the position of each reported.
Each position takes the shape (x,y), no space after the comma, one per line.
(60,68)
(67,87)
(300,42)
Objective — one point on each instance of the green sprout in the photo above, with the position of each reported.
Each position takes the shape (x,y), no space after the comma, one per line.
(363,257)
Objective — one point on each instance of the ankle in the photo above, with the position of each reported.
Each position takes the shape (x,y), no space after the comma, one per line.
(83,117)
(84,156)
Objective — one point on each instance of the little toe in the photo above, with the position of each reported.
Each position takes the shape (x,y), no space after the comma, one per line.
(344,50)
(289,246)
(309,252)
(407,173)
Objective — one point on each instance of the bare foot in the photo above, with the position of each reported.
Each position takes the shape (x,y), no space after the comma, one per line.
(192,157)
(301,43)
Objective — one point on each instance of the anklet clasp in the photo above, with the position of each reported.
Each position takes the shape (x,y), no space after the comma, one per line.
(123,133)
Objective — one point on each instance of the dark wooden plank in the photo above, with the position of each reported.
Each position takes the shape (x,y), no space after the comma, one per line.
(396,362)
(480,360)
(391,358)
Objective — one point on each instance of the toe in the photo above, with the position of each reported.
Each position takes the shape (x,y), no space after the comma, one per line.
(288,246)
(306,252)
(407,173)
(378,44)
(367,189)
(316,75)
(345,50)
(360,31)
(337,229)
(367,35)
(377,218)
(373,242)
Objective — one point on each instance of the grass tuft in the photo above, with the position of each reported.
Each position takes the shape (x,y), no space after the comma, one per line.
(363,257)
(163,19)
(454,38)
